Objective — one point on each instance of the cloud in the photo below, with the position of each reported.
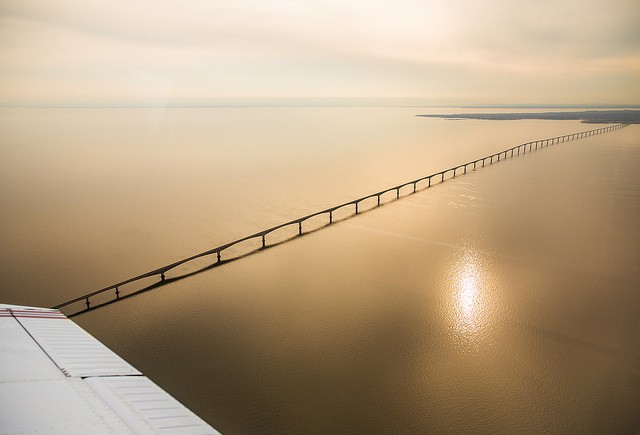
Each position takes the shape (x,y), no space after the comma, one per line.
(221,49)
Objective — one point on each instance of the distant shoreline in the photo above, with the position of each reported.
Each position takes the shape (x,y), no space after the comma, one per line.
(588,116)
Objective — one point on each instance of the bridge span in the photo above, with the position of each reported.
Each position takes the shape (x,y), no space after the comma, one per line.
(122,289)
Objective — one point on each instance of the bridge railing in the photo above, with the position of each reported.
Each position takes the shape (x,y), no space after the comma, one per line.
(437,177)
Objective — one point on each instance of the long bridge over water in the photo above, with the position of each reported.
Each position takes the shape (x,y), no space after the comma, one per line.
(117,292)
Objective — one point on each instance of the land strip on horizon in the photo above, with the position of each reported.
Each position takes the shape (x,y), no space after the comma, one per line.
(589,116)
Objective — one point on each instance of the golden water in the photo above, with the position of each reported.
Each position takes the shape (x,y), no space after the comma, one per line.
(506,300)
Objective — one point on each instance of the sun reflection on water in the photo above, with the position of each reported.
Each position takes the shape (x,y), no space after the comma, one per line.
(467,307)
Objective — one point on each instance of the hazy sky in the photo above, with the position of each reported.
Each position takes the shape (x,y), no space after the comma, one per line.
(199,51)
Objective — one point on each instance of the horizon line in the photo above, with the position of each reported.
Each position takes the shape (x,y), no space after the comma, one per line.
(374,101)
(303,102)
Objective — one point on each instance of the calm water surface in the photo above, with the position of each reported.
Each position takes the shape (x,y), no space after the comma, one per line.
(506,300)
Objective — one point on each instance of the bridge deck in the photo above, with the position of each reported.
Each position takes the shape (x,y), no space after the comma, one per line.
(114,292)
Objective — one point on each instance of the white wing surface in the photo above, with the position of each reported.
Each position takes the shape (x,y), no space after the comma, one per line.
(56,378)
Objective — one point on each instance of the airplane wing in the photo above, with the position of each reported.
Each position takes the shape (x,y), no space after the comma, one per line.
(56,378)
